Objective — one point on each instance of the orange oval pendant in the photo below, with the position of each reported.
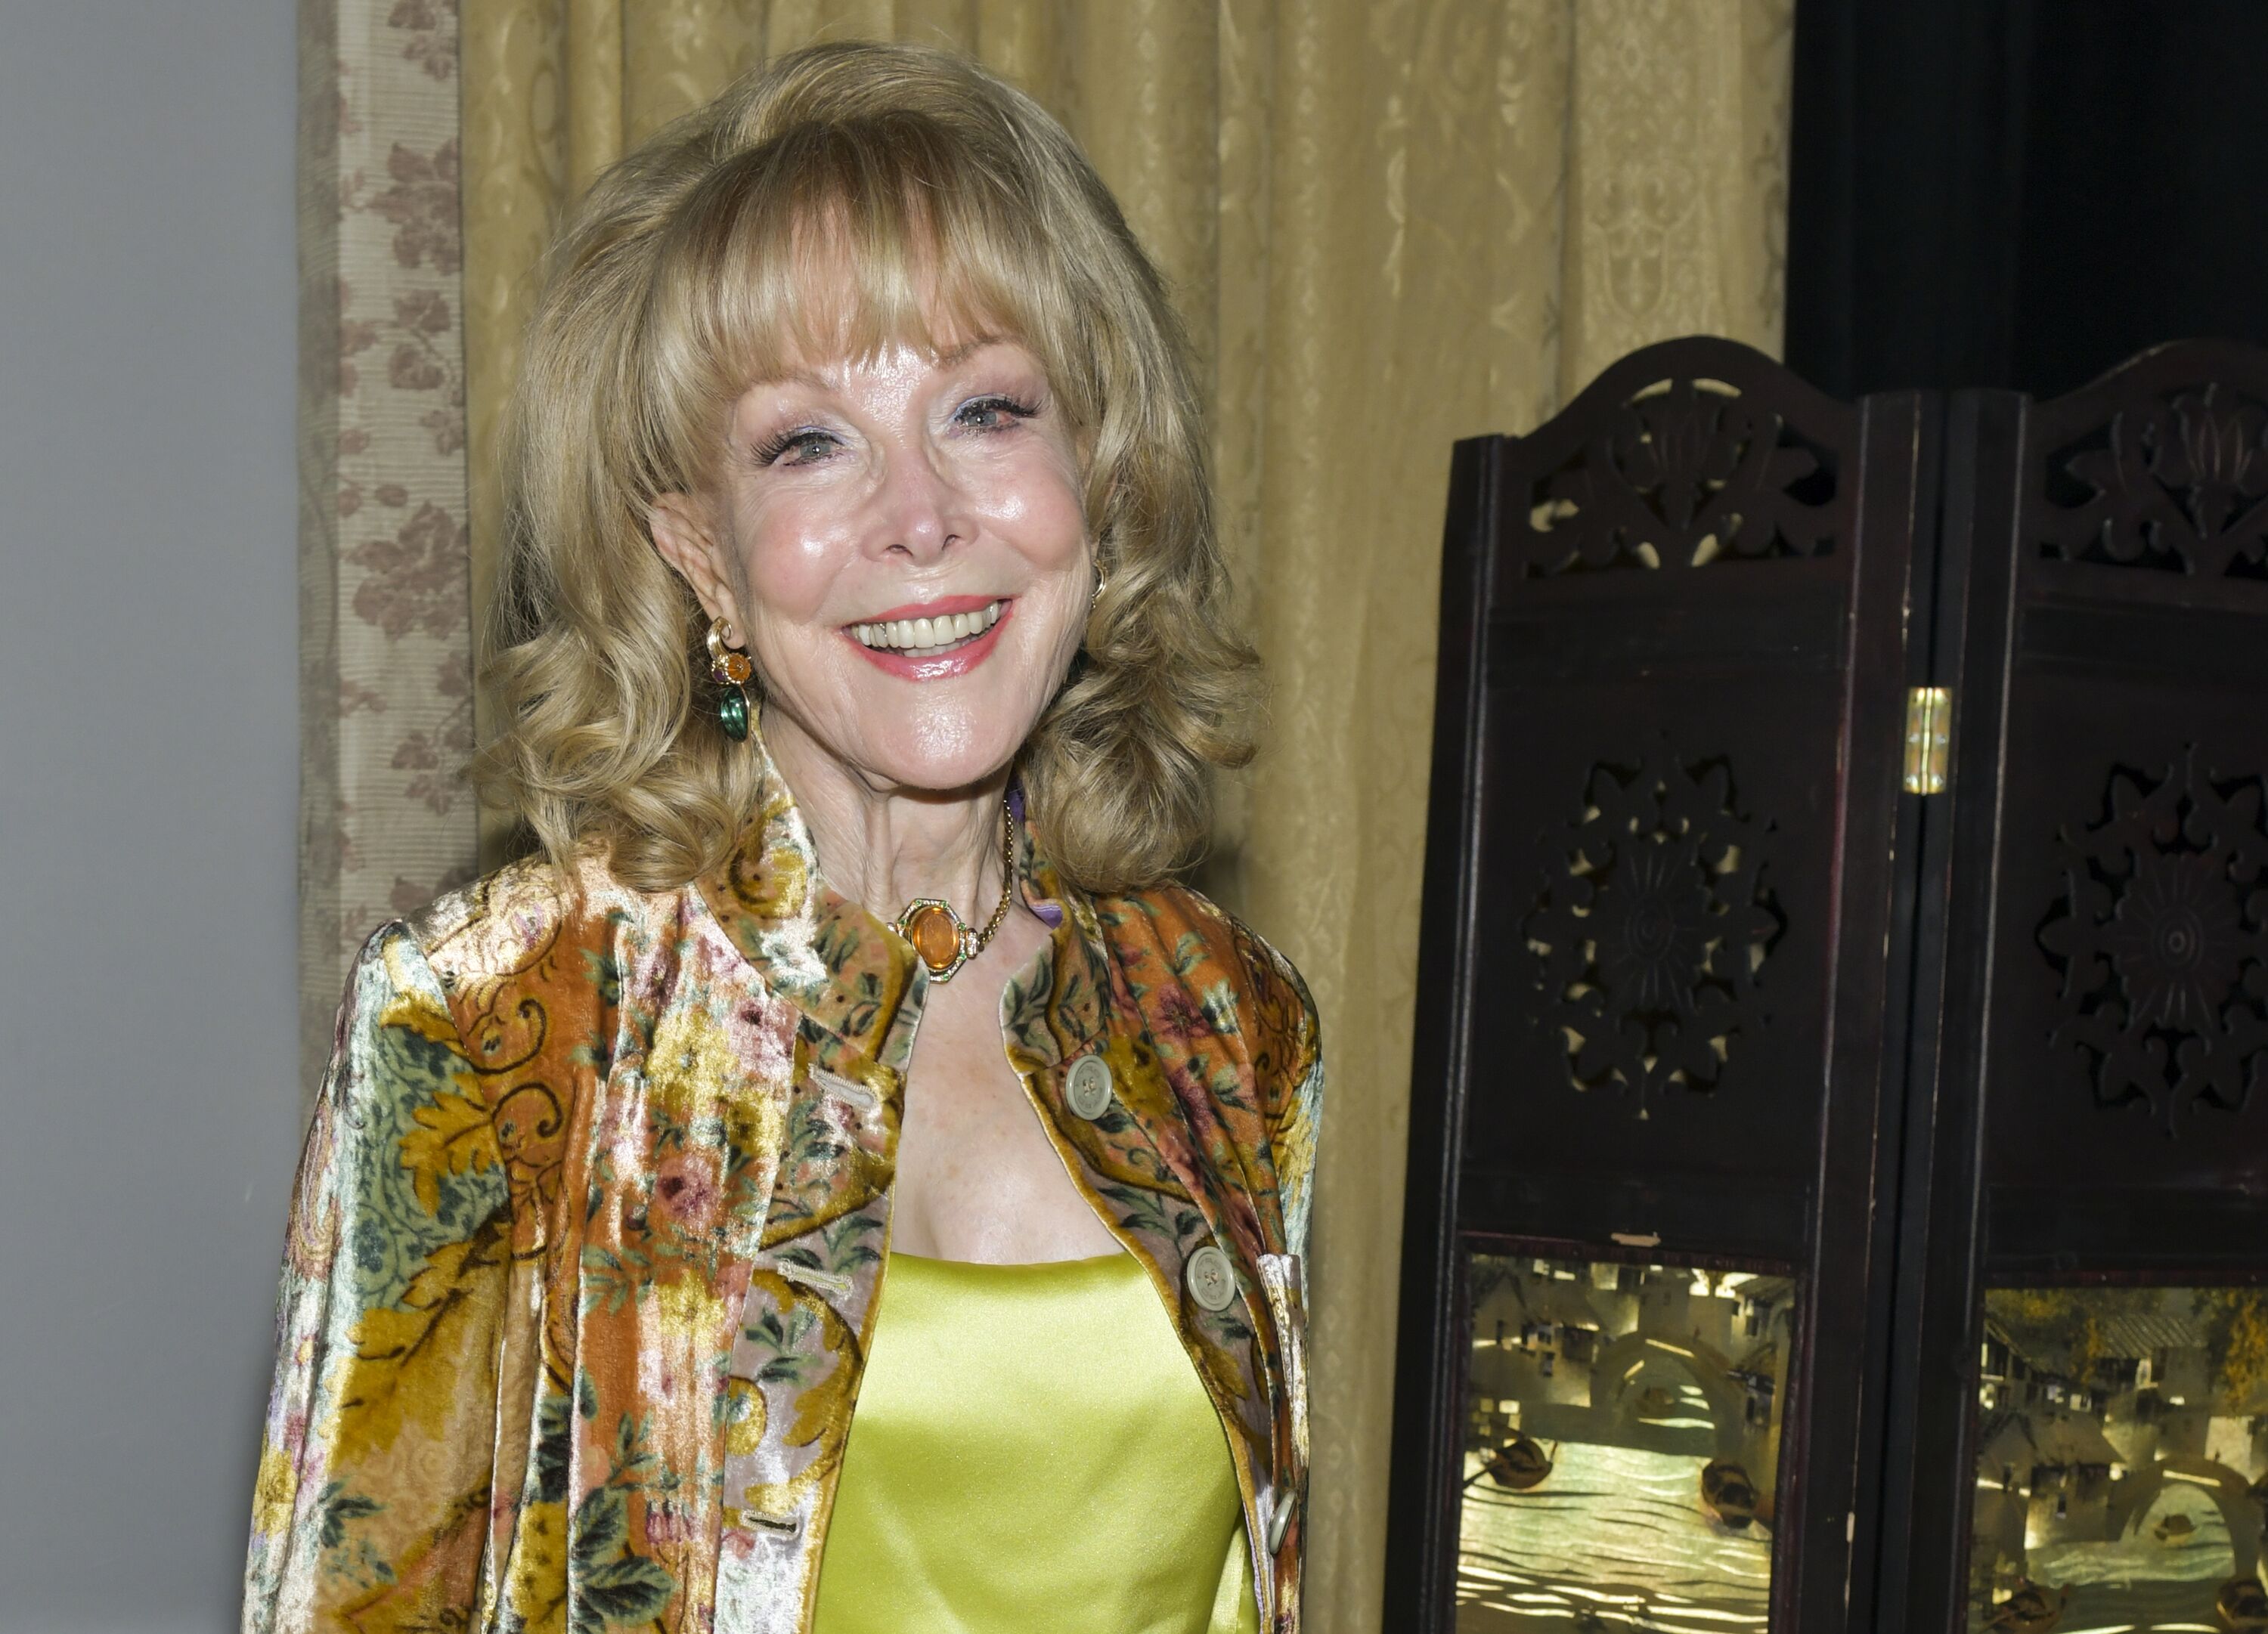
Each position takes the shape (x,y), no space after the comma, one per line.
(935,935)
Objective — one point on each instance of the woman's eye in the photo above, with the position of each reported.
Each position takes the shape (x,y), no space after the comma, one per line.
(993,414)
(806,447)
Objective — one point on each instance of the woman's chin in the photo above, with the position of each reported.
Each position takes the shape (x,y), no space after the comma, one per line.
(946,778)
(943,769)
(940,740)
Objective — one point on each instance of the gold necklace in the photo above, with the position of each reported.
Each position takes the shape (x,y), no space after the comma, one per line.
(943,942)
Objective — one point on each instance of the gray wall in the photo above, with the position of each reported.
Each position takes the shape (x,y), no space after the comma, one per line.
(148,1111)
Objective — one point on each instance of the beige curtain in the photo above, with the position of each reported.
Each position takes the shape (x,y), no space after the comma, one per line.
(1390,224)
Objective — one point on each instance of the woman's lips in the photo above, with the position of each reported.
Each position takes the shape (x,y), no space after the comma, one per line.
(942,666)
(932,609)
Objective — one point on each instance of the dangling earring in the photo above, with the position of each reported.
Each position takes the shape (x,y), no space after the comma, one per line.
(1102,583)
(730,669)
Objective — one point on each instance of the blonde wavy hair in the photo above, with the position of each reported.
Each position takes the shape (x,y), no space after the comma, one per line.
(944,196)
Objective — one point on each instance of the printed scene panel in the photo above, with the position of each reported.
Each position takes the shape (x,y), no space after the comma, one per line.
(2122,1461)
(1622,1446)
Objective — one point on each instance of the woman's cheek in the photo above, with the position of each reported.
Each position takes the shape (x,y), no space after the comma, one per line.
(787,572)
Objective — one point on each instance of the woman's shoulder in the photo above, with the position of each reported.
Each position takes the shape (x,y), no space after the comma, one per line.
(1223,979)
(1222,960)
(528,912)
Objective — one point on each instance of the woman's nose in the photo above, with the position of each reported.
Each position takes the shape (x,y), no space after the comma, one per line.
(922,511)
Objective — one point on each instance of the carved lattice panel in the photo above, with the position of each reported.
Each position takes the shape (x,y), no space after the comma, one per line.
(2175,481)
(1651,938)
(2161,939)
(2128,1026)
(1667,743)
(1686,472)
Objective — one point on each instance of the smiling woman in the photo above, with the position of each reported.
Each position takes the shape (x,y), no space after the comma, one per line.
(851,392)
(737,308)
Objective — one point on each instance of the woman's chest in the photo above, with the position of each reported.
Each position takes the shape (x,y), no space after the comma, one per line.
(978,1175)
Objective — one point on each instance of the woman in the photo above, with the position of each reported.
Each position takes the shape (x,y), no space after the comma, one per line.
(866,666)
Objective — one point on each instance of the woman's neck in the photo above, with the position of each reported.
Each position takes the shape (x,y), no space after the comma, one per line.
(885,847)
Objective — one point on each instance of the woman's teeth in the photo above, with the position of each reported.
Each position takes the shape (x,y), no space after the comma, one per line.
(920,637)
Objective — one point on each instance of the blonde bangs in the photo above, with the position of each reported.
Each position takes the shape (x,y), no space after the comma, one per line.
(847,241)
(843,201)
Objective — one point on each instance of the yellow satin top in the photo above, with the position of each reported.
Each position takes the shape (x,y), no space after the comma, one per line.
(1032,1452)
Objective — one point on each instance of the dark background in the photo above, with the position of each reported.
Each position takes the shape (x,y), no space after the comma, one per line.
(2021,193)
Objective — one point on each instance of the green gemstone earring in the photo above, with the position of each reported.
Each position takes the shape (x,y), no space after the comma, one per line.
(730,669)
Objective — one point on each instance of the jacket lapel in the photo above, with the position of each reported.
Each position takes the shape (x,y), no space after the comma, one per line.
(799,1345)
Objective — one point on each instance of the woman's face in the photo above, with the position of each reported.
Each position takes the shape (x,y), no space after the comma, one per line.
(900,544)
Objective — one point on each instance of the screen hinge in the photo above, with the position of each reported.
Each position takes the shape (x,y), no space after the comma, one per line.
(1929,739)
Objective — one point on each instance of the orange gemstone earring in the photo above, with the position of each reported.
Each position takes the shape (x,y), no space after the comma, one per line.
(730,668)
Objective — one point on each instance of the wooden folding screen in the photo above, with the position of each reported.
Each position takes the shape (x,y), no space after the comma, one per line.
(1810,784)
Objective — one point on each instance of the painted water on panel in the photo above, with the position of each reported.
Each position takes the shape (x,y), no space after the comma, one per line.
(2122,1468)
(1622,1447)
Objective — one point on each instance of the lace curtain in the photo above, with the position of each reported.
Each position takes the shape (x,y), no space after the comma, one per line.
(1388,224)
(385,676)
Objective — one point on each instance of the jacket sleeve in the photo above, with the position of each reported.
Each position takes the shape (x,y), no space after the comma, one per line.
(1286,1044)
(370,1508)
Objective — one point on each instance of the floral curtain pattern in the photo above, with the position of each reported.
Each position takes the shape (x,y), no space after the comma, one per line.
(1389,224)
(385,626)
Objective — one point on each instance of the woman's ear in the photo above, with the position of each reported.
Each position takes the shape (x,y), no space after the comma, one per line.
(685,535)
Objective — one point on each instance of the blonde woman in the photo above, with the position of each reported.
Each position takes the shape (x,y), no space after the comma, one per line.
(842,1183)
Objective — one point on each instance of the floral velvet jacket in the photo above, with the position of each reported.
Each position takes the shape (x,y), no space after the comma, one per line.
(588,1239)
